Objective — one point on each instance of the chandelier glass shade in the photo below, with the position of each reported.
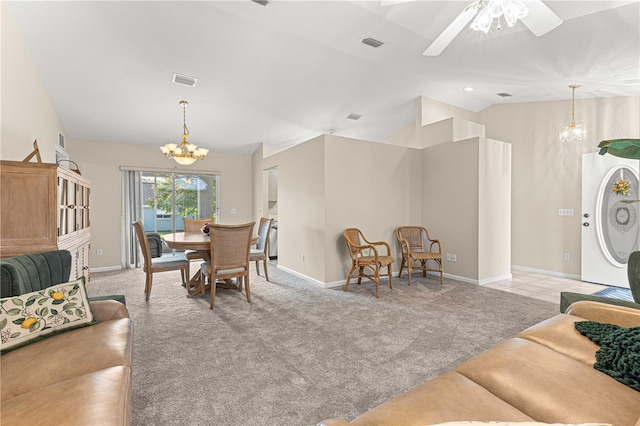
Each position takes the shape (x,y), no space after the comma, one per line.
(186,153)
(573,131)
(511,10)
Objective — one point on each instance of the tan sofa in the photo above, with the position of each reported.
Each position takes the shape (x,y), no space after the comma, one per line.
(79,377)
(545,374)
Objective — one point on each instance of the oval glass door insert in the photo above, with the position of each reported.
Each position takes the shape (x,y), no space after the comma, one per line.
(618,220)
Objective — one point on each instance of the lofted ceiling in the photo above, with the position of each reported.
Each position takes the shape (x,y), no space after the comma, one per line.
(289,71)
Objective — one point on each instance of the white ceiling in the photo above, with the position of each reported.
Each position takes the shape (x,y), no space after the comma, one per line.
(292,70)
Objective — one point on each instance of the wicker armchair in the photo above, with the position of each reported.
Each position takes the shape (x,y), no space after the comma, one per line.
(367,258)
(413,241)
(230,245)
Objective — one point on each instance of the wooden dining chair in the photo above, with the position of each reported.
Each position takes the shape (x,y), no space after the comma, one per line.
(194,225)
(230,246)
(261,252)
(369,257)
(159,264)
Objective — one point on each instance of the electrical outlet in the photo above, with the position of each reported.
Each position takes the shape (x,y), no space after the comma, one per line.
(453,257)
(302,257)
(567,256)
(449,257)
(99,252)
(233,211)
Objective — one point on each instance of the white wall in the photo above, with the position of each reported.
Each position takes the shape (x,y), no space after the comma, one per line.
(26,110)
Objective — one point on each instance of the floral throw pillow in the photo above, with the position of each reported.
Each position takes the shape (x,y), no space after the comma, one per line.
(34,316)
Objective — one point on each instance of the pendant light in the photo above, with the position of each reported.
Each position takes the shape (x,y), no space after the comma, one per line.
(186,153)
(573,131)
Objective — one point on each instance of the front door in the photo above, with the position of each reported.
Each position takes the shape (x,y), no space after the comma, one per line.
(609,225)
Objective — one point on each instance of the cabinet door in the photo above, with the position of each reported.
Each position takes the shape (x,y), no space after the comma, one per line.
(67,199)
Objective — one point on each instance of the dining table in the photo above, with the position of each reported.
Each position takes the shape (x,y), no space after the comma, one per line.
(200,242)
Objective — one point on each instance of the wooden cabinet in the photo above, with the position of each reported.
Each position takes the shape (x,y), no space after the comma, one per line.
(45,207)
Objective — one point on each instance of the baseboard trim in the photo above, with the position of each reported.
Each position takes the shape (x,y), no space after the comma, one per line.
(105,269)
(545,272)
(494,279)
(299,275)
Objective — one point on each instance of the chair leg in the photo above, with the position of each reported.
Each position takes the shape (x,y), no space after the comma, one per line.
(376,279)
(258,267)
(213,293)
(401,266)
(389,272)
(148,285)
(409,270)
(441,277)
(266,273)
(424,268)
(247,290)
(346,285)
(360,275)
(203,283)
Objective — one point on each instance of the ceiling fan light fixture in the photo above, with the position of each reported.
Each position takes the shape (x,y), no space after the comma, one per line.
(489,10)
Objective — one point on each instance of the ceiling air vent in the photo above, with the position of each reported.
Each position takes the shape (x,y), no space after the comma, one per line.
(371,42)
(184,79)
(354,116)
(504,95)
(261,2)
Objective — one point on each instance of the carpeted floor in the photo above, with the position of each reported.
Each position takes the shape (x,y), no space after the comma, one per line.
(300,353)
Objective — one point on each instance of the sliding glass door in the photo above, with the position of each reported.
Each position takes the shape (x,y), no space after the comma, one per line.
(167,198)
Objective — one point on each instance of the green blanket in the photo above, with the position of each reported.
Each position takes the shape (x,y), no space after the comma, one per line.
(619,353)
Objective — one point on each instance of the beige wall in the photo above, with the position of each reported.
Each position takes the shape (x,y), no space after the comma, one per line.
(450,203)
(100,162)
(547,176)
(27,113)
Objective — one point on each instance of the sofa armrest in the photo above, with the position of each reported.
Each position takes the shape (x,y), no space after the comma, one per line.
(333,422)
(567,298)
(606,313)
(105,310)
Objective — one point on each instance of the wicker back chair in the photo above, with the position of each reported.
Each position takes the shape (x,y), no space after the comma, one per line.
(262,246)
(230,245)
(368,257)
(158,264)
(413,241)
(194,225)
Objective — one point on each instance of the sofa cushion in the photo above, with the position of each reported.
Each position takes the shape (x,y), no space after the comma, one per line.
(448,397)
(32,272)
(559,333)
(65,356)
(551,387)
(30,317)
(99,398)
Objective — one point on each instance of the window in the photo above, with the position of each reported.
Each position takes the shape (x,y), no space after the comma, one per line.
(167,198)
(161,200)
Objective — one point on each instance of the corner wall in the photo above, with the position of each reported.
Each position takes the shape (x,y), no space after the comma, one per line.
(27,112)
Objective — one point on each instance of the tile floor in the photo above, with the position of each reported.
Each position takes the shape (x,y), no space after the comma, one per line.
(544,287)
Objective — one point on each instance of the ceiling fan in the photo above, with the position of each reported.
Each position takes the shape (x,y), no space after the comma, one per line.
(533,13)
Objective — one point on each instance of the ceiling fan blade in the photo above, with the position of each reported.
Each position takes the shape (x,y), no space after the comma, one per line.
(392,2)
(449,33)
(540,19)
